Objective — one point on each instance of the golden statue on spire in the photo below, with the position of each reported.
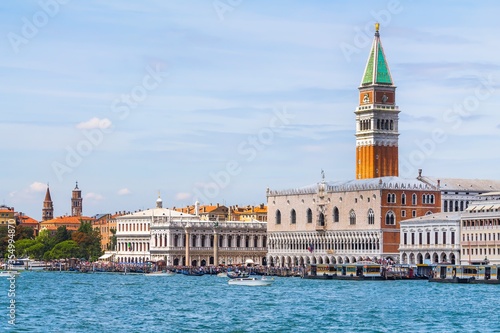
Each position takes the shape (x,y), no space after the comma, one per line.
(377,25)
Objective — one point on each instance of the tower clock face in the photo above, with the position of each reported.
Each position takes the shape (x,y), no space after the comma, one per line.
(366,98)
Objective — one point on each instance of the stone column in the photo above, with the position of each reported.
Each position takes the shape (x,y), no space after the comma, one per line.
(216,248)
(188,256)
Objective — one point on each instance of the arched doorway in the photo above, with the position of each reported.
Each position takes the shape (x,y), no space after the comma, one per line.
(435,258)
(420,259)
(194,263)
(452,259)
(203,263)
(176,262)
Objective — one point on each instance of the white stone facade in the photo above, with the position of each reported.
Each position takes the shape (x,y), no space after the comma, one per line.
(162,234)
(433,238)
(480,232)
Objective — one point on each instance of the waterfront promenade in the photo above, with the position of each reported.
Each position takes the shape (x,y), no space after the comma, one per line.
(67,302)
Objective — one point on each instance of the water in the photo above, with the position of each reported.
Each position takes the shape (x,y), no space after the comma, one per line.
(73,302)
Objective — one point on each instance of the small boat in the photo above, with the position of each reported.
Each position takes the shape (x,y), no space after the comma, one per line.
(160,273)
(222,274)
(234,274)
(247,281)
(9,273)
(192,272)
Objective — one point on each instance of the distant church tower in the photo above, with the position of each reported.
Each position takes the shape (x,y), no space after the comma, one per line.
(48,208)
(377,118)
(76,202)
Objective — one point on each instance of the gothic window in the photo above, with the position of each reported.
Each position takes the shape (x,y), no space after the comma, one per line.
(335,214)
(371,216)
(403,199)
(413,199)
(321,219)
(391,198)
(390,219)
(392,125)
(278,217)
(309,215)
(293,217)
(352,217)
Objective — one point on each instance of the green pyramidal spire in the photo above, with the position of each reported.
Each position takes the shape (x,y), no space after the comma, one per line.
(377,71)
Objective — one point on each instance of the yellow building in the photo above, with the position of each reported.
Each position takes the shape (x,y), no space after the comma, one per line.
(249,213)
(106,225)
(6,214)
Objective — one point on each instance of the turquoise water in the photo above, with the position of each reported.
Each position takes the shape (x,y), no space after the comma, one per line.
(74,302)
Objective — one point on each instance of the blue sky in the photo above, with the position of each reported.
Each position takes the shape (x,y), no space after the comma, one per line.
(218,100)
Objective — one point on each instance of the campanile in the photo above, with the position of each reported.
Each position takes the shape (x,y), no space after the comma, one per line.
(377,118)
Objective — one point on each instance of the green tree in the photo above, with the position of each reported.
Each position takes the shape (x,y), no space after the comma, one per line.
(4,241)
(23,233)
(62,234)
(22,245)
(43,244)
(112,245)
(89,241)
(63,250)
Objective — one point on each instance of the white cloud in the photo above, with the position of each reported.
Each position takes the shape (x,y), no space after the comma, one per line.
(94,196)
(37,187)
(182,196)
(124,191)
(95,123)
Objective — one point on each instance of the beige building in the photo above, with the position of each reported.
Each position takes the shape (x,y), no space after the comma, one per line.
(344,222)
(480,231)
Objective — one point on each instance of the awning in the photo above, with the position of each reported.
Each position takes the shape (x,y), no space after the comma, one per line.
(249,261)
(106,256)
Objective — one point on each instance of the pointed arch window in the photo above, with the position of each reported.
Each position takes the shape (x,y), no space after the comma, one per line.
(335,214)
(293,217)
(413,199)
(403,199)
(278,217)
(309,216)
(352,217)
(371,216)
(321,220)
(390,218)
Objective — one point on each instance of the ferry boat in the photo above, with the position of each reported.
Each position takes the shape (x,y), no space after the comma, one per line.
(362,270)
(25,264)
(446,273)
(253,282)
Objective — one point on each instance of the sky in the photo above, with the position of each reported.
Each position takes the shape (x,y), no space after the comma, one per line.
(218,100)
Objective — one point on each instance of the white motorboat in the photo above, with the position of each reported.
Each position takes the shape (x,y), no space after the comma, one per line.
(251,281)
(160,273)
(222,274)
(9,273)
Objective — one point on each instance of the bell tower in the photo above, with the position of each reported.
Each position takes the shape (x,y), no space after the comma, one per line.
(377,118)
(48,207)
(76,201)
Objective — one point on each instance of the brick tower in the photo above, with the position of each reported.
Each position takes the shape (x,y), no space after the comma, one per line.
(377,118)
(48,207)
(76,201)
